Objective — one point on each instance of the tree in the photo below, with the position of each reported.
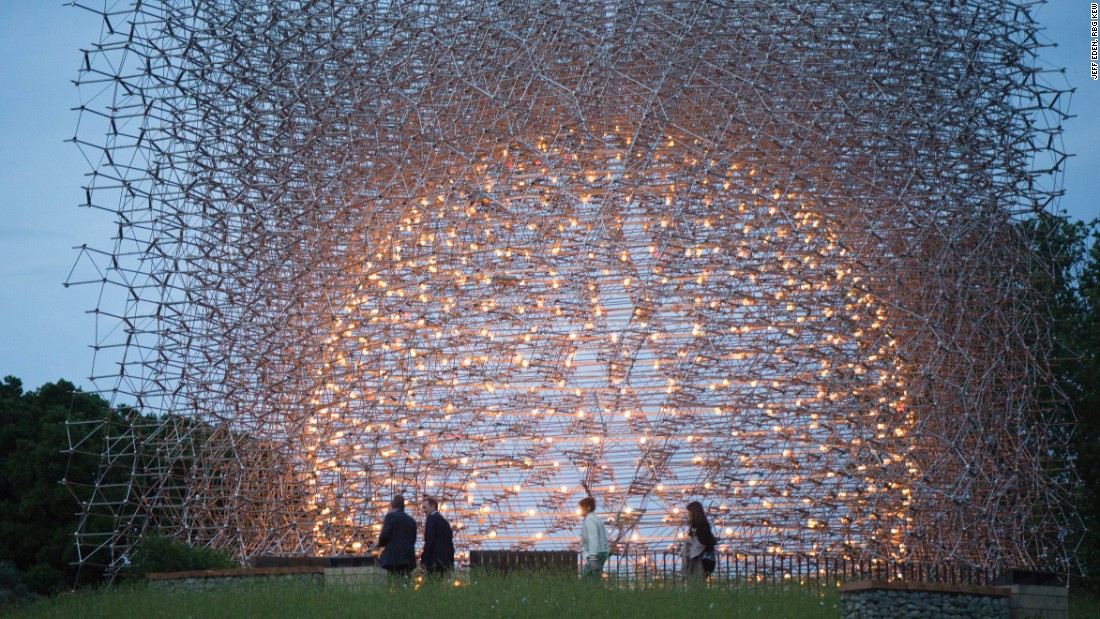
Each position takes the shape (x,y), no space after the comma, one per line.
(1082,337)
(38,515)
(1070,281)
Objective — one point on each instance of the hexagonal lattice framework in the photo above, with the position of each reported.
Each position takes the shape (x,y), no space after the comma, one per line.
(763,254)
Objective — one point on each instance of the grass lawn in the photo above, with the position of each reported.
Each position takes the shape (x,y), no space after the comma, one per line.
(481,596)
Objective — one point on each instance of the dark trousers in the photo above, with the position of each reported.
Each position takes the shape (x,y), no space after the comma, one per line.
(438,571)
(401,571)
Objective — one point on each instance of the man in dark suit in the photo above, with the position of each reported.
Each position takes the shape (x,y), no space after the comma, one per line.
(438,555)
(397,539)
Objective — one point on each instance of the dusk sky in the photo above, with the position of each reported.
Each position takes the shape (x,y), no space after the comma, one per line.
(46,330)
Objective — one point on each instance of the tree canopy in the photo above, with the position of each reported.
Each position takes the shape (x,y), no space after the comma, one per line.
(1073,254)
(38,515)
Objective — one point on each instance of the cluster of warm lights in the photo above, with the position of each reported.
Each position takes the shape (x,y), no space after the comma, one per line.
(635,340)
(653,251)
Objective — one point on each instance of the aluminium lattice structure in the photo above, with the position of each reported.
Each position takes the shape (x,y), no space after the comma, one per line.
(761,254)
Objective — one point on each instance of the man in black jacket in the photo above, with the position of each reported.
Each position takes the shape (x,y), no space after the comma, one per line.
(438,555)
(397,539)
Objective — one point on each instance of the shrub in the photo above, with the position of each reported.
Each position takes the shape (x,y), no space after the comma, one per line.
(12,589)
(157,552)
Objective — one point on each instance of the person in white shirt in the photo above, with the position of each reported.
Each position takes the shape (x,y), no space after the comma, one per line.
(594,546)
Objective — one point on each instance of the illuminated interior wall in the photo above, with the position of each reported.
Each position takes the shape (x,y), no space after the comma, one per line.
(761,255)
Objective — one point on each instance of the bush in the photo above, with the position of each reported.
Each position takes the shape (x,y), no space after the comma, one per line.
(12,589)
(157,552)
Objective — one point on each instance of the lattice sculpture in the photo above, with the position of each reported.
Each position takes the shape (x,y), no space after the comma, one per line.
(761,254)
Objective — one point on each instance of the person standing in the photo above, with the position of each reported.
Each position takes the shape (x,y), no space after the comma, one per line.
(438,554)
(397,539)
(594,546)
(699,559)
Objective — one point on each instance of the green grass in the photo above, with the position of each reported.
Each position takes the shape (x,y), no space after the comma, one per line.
(482,596)
(479,596)
(1083,604)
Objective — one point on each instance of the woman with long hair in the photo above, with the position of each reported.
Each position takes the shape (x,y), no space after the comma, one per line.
(699,558)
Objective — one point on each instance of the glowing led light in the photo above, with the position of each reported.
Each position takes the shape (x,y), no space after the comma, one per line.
(461,272)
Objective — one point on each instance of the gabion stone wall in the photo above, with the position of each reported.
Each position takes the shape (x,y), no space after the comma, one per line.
(765,255)
(876,599)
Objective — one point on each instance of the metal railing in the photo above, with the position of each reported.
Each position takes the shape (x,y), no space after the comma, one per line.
(657,567)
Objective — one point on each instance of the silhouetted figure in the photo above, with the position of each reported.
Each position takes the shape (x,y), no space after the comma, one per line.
(438,554)
(397,539)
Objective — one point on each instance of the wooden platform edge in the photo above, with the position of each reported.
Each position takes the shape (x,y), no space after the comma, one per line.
(930,587)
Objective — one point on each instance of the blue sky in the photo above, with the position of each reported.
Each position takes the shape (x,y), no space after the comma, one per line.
(46,330)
